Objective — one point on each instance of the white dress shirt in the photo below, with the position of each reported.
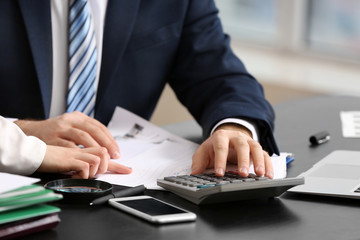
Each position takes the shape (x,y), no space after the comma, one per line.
(19,154)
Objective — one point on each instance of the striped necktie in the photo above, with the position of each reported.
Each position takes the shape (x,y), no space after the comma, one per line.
(82,59)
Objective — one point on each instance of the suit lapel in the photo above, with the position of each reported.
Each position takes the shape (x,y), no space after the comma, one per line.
(119,23)
(37,18)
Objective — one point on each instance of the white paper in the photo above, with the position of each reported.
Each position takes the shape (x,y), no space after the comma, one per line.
(149,150)
(154,153)
(279,165)
(11,181)
(350,121)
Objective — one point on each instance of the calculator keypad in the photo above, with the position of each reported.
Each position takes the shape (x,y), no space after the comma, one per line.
(202,181)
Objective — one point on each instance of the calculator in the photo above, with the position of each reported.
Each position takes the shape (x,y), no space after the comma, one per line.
(209,188)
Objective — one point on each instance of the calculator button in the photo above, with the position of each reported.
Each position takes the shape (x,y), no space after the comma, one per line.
(251,175)
(222,182)
(205,186)
(248,180)
(170,179)
(236,181)
(194,184)
(261,178)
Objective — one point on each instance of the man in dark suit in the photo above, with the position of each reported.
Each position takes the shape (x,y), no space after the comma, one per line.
(145,44)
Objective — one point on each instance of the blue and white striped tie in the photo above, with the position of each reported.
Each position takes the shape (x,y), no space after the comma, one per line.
(82,59)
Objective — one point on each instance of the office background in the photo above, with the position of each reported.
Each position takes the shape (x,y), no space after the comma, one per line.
(295,48)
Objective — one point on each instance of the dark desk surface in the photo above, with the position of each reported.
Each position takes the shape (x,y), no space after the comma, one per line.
(288,217)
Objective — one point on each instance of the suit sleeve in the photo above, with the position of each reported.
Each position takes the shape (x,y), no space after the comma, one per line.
(212,82)
(19,154)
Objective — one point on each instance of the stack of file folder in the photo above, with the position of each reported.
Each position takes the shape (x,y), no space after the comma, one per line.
(23,210)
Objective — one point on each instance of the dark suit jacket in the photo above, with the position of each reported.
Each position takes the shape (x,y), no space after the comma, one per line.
(147,43)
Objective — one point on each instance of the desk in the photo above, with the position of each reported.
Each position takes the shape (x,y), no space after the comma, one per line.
(288,217)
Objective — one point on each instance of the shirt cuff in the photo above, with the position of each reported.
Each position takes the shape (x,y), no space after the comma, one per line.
(12,119)
(19,154)
(251,127)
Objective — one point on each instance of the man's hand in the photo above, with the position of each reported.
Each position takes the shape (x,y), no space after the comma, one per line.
(86,163)
(71,130)
(232,143)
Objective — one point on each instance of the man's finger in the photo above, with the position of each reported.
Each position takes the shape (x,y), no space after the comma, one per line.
(99,133)
(221,150)
(268,165)
(79,137)
(242,149)
(64,143)
(257,154)
(200,160)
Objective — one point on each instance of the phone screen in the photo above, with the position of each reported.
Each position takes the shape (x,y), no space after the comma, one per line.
(151,207)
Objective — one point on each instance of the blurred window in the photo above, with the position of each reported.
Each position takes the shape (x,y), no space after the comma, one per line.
(249,19)
(329,27)
(334,27)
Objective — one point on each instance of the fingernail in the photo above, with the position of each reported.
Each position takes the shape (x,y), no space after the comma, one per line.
(116,154)
(244,171)
(195,170)
(260,169)
(220,171)
(270,174)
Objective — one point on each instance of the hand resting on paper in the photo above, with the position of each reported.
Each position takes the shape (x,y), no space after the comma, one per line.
(84,163)
(74,129)
(234,144)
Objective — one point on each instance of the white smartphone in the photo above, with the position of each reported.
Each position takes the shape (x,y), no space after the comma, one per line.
(152,209)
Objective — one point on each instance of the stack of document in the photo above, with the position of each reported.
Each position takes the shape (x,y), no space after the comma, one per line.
(22,208)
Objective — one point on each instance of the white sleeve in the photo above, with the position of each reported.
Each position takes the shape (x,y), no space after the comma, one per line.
(251,127)
(19,154)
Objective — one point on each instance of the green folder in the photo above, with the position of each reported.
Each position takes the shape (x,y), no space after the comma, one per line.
(27,212)
(23,192)
(26,196)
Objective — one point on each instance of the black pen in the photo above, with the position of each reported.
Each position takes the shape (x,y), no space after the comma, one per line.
(319,138)
(122,193)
